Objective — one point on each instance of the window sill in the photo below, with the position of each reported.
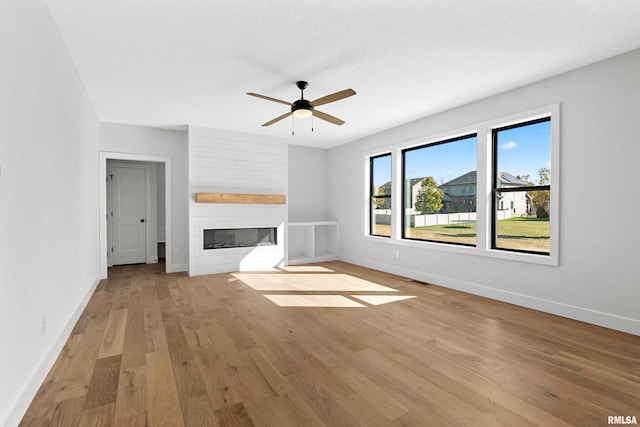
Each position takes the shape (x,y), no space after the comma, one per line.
(549,260)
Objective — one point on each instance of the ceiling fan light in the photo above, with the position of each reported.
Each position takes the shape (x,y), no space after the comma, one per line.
(302,113)
(302,109)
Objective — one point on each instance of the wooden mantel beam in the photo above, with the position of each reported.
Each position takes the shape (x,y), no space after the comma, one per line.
(250,199)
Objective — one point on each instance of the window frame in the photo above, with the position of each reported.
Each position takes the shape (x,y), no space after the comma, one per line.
(483,130)
(372,196)
(495,190)
(404,190)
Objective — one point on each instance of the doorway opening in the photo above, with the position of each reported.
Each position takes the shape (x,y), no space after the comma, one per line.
(135,210)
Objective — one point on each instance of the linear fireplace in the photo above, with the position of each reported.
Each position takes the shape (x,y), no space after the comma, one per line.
(240,237)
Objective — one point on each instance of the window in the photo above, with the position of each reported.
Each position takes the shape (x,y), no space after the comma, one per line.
(521,176)
(438,206)
(488,189)
(380,195)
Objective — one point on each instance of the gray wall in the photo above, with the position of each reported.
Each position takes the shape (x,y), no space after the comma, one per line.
(307,186)
(595,280)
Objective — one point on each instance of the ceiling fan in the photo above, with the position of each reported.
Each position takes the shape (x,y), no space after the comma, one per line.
(303,108)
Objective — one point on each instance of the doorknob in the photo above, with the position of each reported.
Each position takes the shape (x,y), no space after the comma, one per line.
(142,220)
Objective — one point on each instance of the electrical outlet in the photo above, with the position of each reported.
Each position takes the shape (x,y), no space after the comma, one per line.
(397,254)
(44,324)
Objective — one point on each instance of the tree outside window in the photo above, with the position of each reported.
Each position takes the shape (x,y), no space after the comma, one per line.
(429,199)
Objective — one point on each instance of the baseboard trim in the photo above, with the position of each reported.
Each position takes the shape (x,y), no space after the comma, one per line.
(607,320)
(21,404)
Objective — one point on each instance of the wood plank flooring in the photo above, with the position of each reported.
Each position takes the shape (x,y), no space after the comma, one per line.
(368,349)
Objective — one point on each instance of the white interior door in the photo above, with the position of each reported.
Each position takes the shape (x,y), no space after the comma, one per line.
(129,226)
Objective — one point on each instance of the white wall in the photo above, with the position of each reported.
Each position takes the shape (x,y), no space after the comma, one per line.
(49,249)
(596,280)
(307,192)
(233,162)
(140,140)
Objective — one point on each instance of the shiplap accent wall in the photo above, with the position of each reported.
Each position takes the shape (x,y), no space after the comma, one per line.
(231,162)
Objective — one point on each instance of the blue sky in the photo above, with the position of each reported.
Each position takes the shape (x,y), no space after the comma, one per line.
(521,151)
(444,162)
(525,149)
(381,170)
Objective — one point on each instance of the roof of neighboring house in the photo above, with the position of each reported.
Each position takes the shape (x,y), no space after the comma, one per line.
(471,177)
(508,179)
(467,178)
(414,181)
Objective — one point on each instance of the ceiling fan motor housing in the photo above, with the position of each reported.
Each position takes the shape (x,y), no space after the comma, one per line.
(301,104)
(302,108)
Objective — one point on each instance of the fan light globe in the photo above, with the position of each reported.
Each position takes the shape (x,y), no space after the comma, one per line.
(302,113)
(302,108)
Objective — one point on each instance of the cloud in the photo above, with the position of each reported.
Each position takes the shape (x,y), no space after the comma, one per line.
(509,145)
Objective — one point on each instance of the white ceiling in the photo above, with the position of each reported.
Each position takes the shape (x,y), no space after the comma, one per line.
(169,63)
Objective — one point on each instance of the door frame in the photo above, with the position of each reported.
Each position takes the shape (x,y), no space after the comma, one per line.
(102,174)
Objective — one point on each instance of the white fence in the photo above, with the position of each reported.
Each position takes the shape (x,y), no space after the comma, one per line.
(505,214)
(442,219)
(383,216)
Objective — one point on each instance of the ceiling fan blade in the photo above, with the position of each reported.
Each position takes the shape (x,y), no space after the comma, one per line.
(277,119)
(328,118)
(333,97)
(268,98)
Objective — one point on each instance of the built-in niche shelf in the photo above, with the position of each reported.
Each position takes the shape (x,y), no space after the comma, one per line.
(248,199)
(312,241)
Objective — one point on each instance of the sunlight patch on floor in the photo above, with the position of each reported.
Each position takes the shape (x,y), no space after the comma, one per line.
(317,286)
(312,301)
(381,299)
(310,282)
(306,269)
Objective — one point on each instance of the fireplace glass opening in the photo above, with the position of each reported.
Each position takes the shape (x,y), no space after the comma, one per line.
(240,238)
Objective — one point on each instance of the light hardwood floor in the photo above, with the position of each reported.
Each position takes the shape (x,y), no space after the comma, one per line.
(331,344)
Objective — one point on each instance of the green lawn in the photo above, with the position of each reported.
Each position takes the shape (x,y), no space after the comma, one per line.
(464,233)
(529,233)
(383,230)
